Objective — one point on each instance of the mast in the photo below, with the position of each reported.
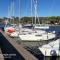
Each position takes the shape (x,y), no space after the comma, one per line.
(35,7)
(36,12)
(13,10)
(31,12)
(9,13)
(19,17)
(19,12)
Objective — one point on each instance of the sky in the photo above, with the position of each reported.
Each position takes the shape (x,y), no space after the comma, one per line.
(44,8)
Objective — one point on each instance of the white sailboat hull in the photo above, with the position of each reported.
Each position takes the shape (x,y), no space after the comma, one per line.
(37,37)
(38,26)
(14,34)
(46,49)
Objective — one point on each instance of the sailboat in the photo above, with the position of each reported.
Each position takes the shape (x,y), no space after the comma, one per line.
(39,34)
(36,37)
(9,28)
(51,49)
(32,34)
(38,26)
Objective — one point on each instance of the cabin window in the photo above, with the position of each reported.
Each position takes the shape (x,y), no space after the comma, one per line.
(38,35)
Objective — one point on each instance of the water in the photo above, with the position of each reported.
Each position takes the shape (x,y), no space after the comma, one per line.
(2,27)
(54,28)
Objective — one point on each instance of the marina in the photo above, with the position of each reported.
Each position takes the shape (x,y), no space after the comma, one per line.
(31,48)
(27,34)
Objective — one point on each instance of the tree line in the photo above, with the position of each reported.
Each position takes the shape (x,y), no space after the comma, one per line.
(41,20)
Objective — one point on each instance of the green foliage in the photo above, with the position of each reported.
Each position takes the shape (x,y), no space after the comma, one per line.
(32,19)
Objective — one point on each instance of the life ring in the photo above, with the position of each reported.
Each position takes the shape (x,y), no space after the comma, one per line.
(53,53)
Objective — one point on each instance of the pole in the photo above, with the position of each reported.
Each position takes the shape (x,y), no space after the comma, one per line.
(35,7)
(13,10)
(31,12)
(19,16)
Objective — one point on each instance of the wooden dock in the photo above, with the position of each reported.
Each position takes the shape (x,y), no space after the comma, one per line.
(10,47)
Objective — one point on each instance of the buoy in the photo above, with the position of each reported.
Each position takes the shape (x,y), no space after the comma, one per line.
(10,30)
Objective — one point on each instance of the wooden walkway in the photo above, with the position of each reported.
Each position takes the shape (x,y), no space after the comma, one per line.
(10,46)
